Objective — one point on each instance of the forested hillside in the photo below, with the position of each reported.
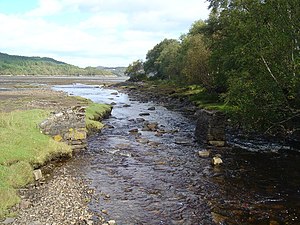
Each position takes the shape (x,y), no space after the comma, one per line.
(118,71)
(247,53)
(22,65)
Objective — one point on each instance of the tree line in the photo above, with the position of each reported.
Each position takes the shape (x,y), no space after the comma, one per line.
(22,65)
(246,52)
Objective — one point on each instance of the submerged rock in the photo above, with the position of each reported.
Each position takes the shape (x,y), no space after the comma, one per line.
(140,120)
(134,130)
(150,126)
(142,140)
(204,153)
(144,114)
(217,143)
(182,141)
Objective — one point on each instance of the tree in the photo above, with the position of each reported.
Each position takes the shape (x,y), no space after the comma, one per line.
(255,51)
(135,71)
(195,58)
(167,61)
(153,64)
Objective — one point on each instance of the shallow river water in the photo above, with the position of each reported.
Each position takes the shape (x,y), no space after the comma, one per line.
(156,177)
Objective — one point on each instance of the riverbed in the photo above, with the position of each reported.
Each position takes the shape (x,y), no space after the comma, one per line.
(145,169)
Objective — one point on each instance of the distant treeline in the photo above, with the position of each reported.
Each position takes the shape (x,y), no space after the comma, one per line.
(22,65)
(118,71)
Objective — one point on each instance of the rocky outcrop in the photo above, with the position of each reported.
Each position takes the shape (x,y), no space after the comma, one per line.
(210,127)
(68,126)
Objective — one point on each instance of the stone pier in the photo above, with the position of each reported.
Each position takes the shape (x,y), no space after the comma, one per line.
(210,128)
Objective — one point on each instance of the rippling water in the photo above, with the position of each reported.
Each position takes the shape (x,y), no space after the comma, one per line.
(150,177)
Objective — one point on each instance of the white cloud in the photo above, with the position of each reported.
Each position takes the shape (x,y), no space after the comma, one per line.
(105,21)
(114,32)
(46,8)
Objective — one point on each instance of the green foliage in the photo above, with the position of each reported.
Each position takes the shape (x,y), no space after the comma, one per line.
(256,57)
(168,61)
(186,60)
(156,58)
(21,65)
(195,57)
(136,71)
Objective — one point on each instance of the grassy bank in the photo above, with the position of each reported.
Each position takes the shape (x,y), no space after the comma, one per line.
(23,147)
(94,114)
(195,93)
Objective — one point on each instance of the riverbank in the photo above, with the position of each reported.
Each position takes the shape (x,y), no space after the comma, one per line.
(189,99)
(24,148)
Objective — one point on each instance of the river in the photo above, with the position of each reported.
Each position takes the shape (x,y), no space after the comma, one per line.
(145,169)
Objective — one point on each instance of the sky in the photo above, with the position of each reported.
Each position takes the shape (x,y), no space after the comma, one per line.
(94,32)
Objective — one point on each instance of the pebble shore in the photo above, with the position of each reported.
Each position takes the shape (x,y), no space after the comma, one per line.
(60,200)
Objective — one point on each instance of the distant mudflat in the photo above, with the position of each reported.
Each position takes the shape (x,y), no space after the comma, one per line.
(53,80)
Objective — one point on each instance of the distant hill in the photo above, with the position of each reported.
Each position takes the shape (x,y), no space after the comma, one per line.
(23,65)
(118,71)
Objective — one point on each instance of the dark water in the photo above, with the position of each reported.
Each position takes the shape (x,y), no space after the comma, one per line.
(154,177)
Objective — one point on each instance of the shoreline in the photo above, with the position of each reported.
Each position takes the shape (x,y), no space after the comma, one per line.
(45,189)
(175,100)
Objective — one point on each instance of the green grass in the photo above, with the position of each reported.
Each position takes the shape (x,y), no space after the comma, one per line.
(22,140)
(23,147)
(94,114)
(195,93)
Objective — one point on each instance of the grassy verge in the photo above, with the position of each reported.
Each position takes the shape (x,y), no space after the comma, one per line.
(195,93)
(23,147)
(204,99)
(94,114)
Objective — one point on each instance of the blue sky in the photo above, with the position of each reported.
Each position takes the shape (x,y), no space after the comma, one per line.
(93,32)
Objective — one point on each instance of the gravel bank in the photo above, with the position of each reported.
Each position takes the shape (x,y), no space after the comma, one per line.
(63,199)
(60,200)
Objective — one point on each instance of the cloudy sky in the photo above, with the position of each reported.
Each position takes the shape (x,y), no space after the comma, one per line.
(93,32)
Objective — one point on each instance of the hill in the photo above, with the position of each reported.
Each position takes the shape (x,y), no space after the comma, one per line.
(23,65)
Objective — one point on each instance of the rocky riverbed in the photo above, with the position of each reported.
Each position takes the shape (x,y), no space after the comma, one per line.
(148,164)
